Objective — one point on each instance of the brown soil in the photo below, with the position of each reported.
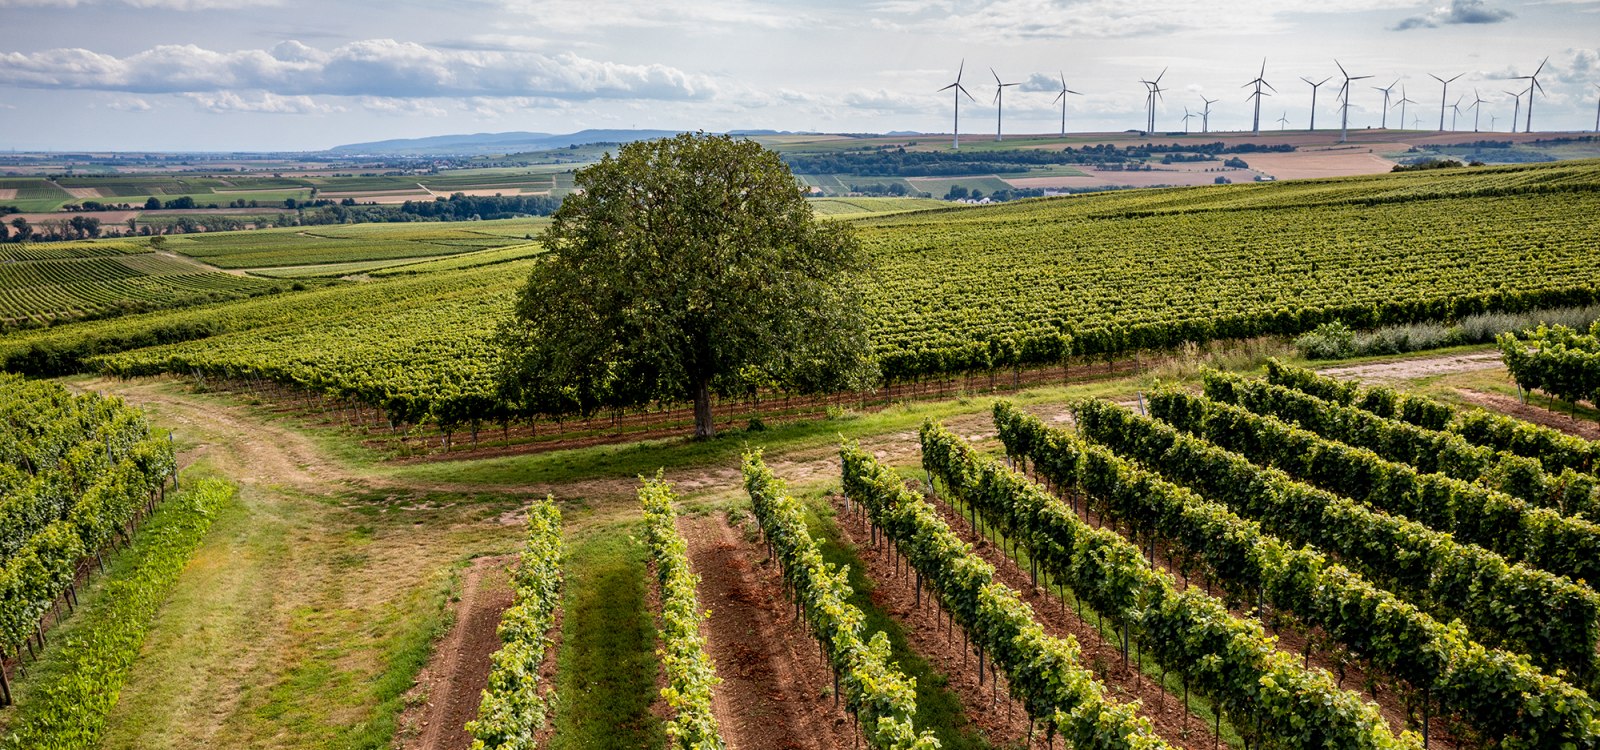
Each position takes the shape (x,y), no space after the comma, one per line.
(1531,412)
(773,678)
(452,683)
(7,194)
(1412,369)
(926,627)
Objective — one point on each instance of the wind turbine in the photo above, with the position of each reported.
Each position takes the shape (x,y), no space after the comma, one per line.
(1516,97)
(1187,116)
(1492,120)
(1533,83)
(1404,100)
(1442,95)
(1283,122)
(1344,95)
(1314,98)
(1205,117)
(1477,109)
(1261,80)
(1153,92)
(999,101)
(1597,111)
(1386,91)
(1455,111)
(959,90)
(1063,99)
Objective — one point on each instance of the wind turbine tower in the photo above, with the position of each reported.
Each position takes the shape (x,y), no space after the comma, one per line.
(1597,111)
(1205,116)
(1515,111)
(1261,80)
(1443,96)
(1062,97)
(1386,91)
(999,102)
(1314,87)
(1187,116)
(1455,111)
(1533,83)
(1477,109)
(1152,94)
(1344,96)
(1404,100)
(959,90)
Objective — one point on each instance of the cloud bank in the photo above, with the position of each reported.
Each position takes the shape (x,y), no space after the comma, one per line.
(1457,12)
(374,67)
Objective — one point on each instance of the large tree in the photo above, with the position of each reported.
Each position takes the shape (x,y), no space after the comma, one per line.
(682,268)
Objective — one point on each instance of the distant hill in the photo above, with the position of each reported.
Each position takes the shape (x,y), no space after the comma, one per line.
(495,143)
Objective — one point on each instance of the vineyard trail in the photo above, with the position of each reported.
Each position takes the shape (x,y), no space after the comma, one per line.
(450,685)
(771,673)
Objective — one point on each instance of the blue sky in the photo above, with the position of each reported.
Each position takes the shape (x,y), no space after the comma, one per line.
(291,74)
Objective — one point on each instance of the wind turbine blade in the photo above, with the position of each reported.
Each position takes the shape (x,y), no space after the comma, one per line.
(961,69)
(1059,97)
(1341,67)
(1436,78)
(1541,66)
(1070,91)
(996,75)
(947,88)
(1458,75)
(1163,73)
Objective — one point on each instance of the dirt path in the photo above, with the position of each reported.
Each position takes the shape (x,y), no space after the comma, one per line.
(773,678)
(458,670)
(1411,369)
(1530,412)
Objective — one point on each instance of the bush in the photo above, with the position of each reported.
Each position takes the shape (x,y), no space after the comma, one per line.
(1329,341)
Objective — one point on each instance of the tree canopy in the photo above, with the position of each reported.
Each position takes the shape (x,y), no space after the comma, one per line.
(682,268)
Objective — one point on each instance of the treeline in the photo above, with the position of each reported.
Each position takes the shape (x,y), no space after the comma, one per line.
(897,161)
(458,207)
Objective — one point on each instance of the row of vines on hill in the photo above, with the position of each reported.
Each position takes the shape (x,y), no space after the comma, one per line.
(514,705)
(1538,612)
(1557,360)
(1045,673)
(882,698)
(1267,692)
(1498,692)
(76,473)
(689,671)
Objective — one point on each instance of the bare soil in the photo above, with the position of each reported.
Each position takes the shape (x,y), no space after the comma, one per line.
(1412,369)
(451,685)
(1531,412)
(773,676)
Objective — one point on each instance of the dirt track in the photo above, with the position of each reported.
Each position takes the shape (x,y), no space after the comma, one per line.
(458,671)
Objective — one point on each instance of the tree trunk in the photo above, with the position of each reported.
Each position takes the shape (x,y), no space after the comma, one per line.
(704,425)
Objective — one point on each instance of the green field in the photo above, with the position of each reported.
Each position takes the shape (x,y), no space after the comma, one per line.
(304,246)
(962,290)
(54,289)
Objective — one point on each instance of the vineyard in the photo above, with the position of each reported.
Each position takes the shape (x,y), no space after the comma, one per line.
(77,474)
(43,285)
(957,292)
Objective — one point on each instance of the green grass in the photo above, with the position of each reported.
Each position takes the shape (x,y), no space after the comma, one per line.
(939,710)
(605,683)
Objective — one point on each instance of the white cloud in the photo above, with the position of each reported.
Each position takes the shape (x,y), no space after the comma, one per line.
(1457,12)
(388,105)
(1020,20)
(374,67)
(131,104)
(140,4)
(690,16)
(268,103)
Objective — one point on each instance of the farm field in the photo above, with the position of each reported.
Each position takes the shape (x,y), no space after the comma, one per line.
(338,531)
(958,291)
(58,282)
(1142,538)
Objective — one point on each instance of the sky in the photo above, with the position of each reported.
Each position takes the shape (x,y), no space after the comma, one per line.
(219,75)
